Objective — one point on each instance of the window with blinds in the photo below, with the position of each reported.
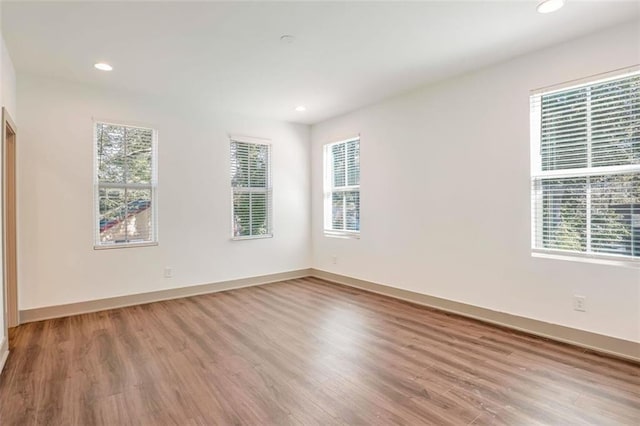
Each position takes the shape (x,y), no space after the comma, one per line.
(342,188)
(251,189)
(586,168)
(125,185)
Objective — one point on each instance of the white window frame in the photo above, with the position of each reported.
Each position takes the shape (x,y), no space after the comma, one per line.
(330,189)
(153,186)
(268,190)
(537,174)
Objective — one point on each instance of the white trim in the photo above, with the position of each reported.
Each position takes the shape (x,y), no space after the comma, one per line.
(126,123)
(6,121)
(125,245)
(584,172)
(342,234)
(252,237)
(250,190)
(586,81)
(126,185)
(249,139)
(330,144)
(349,188)
(586,257)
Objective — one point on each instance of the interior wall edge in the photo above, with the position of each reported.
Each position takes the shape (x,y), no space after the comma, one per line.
(60,311)
(612,346)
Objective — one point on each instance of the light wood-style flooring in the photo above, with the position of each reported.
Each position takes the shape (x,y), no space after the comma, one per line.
(303,352)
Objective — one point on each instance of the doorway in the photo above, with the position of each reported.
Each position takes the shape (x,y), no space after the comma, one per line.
(9,217)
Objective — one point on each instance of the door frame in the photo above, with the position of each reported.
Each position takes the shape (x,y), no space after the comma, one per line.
(9,221)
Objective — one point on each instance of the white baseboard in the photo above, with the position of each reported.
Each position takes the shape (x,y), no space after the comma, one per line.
(597,342)
(605,344)
(59,311)
(4,352)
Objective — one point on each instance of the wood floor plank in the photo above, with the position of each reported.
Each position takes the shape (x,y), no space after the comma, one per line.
(303,352)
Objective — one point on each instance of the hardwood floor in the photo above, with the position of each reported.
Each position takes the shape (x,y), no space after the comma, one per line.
(303,352)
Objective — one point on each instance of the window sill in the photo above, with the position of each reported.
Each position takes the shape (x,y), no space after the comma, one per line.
(343,235)
(610,260)
(124,245)
(252,237)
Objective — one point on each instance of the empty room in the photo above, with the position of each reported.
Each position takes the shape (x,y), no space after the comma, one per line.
(320,213)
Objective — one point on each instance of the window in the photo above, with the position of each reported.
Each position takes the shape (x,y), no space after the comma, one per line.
(251,187)
(125,185)
(586,168)
(342,188)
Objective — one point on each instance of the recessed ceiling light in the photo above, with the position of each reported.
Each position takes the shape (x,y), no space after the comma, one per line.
(548,6)
(103,67)
(287,39)
(301,108)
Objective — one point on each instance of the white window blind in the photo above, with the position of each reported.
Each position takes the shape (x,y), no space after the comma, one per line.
(586,168)
(342,188)
(125,185)
(251,188)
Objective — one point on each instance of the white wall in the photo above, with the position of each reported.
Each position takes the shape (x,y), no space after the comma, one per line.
(8,85)
(445,194)
(57,262)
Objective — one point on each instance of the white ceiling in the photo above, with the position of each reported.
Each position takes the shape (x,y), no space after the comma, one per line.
(228,56)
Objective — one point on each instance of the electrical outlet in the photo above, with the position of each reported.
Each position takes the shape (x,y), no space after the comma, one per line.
(334,259)
(579,303)
(168,272)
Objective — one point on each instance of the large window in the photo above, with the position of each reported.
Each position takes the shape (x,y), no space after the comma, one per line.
(125,185)
(251,188)
(342,188)
(586,168)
